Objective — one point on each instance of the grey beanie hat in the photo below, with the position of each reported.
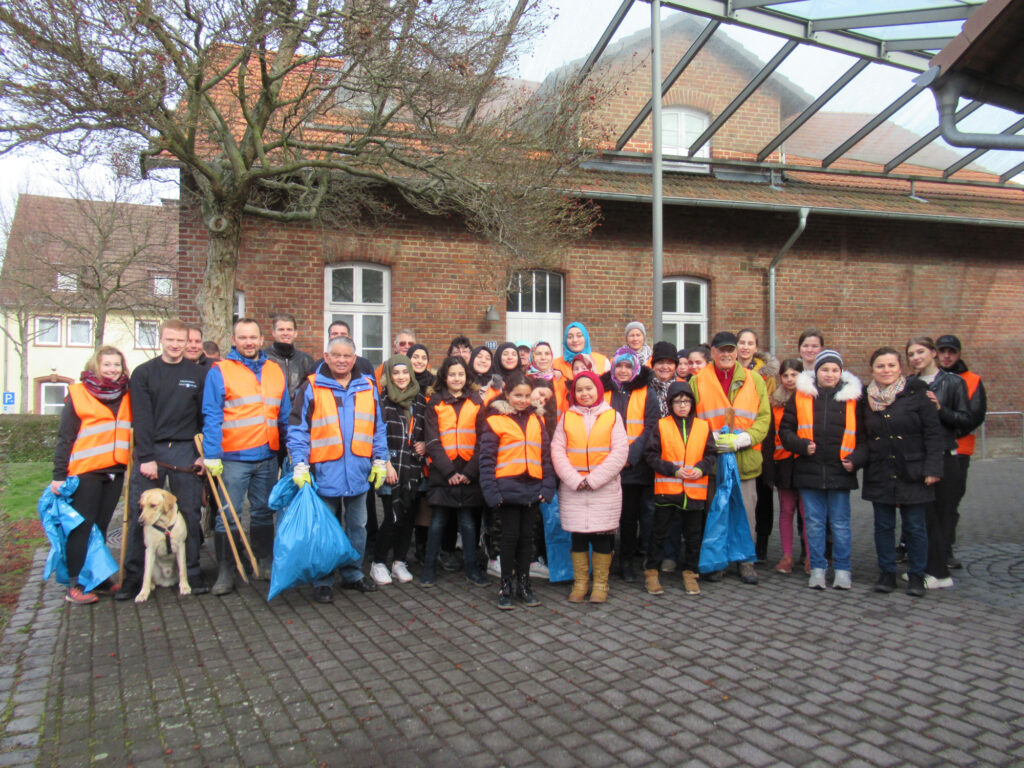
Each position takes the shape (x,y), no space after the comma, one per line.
(638,325)
(827,356)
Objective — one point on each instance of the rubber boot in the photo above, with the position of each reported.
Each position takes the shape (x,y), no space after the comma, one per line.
(226,566)
(262,539)
(651,582)
(602,565)
(580,577)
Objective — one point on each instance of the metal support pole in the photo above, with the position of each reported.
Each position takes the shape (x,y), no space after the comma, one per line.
(801,225)
(656,192)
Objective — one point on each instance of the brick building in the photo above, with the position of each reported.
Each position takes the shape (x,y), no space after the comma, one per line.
(881,259)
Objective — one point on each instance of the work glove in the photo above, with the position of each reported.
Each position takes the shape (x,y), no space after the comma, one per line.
(726,443)
(300,474)
(214,466)
(377,475)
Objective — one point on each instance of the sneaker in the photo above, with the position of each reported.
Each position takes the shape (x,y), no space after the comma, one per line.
(691,583)
(905,576)
(931,582)
(915,585)
(427,583)
(668,566)
(323,594)
(953,563)
(785,565)
(817,578)
(494,566)
(538,570)
(478,580)
(886,582)
(361,585)
(379,573)
(76,596)
(400,572)
(842,580)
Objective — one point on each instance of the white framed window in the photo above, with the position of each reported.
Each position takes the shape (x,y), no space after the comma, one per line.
(51,397)
(67,282)
(684,311)
(238,311)
(680,127)
(147,334)
(360,294)
(163,286)
(533,308)
(47,332)
(80,331)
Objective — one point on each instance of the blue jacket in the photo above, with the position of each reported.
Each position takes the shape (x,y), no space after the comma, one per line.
(348,475)
(213,412)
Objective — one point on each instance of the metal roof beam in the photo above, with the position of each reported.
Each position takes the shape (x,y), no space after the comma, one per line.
(928,138)
(812,109)
(784,25)
(917,44)
(759,3)
(872,124)
(603,41)
(743,95)
(668,82)
(893,19)
(970,157)
(1012,172)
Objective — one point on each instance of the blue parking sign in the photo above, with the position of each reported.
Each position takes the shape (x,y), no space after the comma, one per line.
(8,398)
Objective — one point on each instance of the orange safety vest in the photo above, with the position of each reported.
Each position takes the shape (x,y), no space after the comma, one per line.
(780,452)
(712,402)
(251,405)
(805,422)
(102,439)
(561,394)
(600,365)
(458,435)
(325,440)
(486,395)
(682,454)
(965,444)
(518,453)
(635,414)
(587,450)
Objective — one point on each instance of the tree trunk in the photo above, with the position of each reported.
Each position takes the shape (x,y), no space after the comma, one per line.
(23,362)
(216,297)
(99,329)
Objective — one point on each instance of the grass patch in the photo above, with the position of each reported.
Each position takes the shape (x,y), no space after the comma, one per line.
(25,482)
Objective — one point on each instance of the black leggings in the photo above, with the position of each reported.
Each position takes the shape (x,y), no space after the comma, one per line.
(94,499)
(395,530)
(517,521)
(601,542)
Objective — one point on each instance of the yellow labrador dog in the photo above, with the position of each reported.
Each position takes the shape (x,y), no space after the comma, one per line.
(164,533)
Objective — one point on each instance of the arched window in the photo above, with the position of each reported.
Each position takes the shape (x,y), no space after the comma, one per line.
(680,127)
(360,295)
(684,311)
(533,308)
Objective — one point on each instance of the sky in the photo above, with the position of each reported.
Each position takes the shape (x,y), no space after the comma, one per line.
(575,28)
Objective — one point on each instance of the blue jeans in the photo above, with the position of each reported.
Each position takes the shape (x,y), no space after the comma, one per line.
(255,478)
(469,535)
(827,508)
(354,523)
(914,531)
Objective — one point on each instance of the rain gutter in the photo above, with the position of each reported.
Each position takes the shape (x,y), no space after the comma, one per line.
(800,227)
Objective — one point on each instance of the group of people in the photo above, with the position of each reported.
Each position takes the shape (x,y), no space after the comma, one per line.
(619,448)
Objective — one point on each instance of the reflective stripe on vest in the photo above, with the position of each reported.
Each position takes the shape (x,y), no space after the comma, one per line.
(517,453)
(682,454)
(635,414)
(780,452)
(458,435)
(102,439)
(587,450)
(965,444)
(805,423)
(713,405)
(325,439)
(251,405)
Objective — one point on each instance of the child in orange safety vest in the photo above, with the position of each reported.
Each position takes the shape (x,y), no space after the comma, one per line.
(681,451)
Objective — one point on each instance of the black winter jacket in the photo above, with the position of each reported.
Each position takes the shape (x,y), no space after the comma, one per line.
(824,469)
(439,492)
(905,445)
(636,471)
(295,363)
(978,402)
(519,489)
(955,414)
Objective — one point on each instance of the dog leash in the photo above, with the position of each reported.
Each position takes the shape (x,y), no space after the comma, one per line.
(193,469)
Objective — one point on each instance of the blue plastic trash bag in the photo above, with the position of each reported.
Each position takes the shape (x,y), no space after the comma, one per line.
(557,542)
(727,536)
(59,519)
(309,543)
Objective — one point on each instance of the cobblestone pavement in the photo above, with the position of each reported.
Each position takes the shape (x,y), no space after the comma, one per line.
(740,676)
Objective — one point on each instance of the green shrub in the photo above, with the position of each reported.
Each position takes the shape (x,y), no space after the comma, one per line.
(28,437)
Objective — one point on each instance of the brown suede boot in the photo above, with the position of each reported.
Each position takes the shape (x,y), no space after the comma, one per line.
(651,582)
(580,576)
(602,565)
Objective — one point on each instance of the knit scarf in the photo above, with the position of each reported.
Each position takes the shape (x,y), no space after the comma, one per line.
(401,398)
(644,353)
(103,390)
(660,389)
(879,399)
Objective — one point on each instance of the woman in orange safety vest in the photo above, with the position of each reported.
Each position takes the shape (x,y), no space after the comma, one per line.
(93,443)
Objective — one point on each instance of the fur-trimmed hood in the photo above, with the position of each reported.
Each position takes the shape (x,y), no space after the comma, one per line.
(769,366)
(779,397)
(850,387)
(501,406)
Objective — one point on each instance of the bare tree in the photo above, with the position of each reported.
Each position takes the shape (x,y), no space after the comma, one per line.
(314,111)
